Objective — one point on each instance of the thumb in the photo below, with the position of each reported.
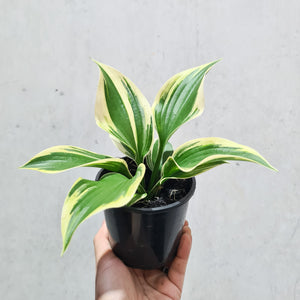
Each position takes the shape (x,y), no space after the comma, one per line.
(177,269)
(101,242)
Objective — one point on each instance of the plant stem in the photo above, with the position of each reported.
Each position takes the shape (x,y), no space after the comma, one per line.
(138,160)
(153,190)
(141,189)
(155,173)
(143,183)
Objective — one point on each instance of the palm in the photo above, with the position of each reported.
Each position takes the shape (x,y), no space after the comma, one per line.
(114,280)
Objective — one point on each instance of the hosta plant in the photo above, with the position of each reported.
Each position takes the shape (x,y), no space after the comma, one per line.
(123,111)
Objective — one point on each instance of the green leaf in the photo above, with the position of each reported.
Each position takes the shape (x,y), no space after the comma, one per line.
(123,111)
(200,155)
(152,155)
(87,198)
(61,158)
(179,100)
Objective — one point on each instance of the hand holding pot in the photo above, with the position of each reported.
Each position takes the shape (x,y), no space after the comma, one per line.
(114,280)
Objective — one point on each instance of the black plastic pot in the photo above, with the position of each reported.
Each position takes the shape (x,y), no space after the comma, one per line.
(148,238)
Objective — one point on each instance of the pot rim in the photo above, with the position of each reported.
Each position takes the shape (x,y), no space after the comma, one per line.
(159,209)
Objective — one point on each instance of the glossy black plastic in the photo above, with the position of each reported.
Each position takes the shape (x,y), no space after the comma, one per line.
(148,238)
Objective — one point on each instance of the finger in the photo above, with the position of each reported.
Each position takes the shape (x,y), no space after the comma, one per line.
(177,269)
(101,242)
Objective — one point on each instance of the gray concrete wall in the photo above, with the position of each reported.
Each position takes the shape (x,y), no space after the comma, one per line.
(245,219)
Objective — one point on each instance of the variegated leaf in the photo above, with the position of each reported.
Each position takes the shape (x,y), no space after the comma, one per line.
(123,111)
(87,198)
(197,156)
(61,158)
(179,100)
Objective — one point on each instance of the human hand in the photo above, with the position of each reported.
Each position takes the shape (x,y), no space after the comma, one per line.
(116,281)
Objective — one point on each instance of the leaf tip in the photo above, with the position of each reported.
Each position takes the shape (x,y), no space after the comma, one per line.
(25,166)
(214,62)
(63,251)
(142,167)
(268,165)
(64,246)
(96,62)
(273,168)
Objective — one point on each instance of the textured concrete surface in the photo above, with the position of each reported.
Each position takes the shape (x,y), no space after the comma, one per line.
(245,219)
